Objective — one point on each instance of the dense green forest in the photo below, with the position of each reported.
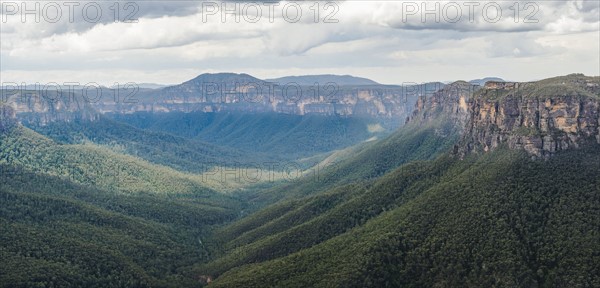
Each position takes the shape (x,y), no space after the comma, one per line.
(56,233)
(497,219)
(500,219)
(416,141)
(94,165)
(288,136)
(122,201)
(85,216)
(63,187)
(573,85)
(161,148)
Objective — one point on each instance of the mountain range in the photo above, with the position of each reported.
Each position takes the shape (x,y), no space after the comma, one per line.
(486,183)
(222,92)
(341,80)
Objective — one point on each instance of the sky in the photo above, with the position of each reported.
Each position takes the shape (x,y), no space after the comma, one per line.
(391,42)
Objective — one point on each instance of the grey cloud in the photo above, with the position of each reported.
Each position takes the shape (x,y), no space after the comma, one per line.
(590,11)
(589,6)
(154,9)
(166,44)
(74,19)
(532,16)
(518,46)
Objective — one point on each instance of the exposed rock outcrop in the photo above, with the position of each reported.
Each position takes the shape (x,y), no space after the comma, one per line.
(7,118)
(541,126)
(241,92)
(41,107)
(446,111)
(541,117)
(222,92)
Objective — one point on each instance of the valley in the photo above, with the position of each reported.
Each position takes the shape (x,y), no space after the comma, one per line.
(308,144)
(466,186)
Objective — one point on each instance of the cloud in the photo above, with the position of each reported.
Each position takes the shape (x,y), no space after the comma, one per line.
(519,45)
(57,17)
(369,35)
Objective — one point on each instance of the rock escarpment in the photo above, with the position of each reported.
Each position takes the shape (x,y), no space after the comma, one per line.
(541,117)
(7,117)
(540,126)
(226,92)
(221,92)
(448,104)
(41,107)
(447,111)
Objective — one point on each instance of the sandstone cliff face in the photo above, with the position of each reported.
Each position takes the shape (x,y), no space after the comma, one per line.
(371,101)
(37,108)
(541,126)
(241,92)
(541,117)
(7,117)
(450,104)
(223,92)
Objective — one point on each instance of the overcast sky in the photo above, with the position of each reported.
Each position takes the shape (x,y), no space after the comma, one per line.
(390,41)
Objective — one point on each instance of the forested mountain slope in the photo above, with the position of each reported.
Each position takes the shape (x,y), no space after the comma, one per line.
(56,233)
(484,186)
(500,219)
(286,136)
(489,217)
(157,147)
(82,215)
(93,165)
(434,128)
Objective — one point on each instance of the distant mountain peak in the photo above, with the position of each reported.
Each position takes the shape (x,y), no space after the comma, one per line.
(481,82)
(225,77)
(340,80)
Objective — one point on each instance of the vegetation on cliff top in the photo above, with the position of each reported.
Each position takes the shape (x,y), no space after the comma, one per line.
(574,85)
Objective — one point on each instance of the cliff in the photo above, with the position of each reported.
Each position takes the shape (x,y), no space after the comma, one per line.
(41,107)
(450,104)
(7,117)
(241,92)
(447,111)
(541,117)
(221,92)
